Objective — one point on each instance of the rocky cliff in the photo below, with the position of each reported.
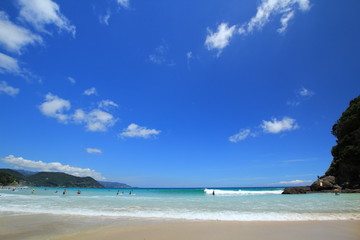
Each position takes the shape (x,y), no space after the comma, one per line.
(344,170)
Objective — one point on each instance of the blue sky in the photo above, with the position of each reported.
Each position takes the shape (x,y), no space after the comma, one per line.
(176,93)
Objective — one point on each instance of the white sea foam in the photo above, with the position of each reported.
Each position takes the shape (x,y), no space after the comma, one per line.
(189,215)
(240,192)
(261,205)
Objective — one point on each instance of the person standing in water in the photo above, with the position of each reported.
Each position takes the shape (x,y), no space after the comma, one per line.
(64,192)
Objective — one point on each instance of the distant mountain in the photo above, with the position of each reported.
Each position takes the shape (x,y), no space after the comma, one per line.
(59,179)
(25,172)
(53,179)
(114,185)
(18,176)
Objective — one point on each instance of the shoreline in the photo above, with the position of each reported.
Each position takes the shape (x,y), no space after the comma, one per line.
(56,227)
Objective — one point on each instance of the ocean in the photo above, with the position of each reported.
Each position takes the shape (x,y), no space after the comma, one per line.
(227,204)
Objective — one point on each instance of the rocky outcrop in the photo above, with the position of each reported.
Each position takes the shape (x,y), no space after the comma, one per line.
(346,163)
(344,172)
(297,190)
(324,183)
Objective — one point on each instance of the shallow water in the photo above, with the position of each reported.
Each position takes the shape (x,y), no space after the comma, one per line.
(236,204)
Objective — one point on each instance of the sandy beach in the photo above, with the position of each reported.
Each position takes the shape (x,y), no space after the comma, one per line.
(57,227)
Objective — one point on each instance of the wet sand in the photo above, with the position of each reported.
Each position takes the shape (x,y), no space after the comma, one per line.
(56,227)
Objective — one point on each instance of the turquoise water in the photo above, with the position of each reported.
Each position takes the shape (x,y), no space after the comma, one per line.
(236,204)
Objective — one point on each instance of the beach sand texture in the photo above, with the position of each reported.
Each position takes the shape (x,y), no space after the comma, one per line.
(54,227)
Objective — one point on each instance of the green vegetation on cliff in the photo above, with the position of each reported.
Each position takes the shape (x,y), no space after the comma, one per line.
(7,179)
(59,179)
(346,163)
(50,179)
(18,176)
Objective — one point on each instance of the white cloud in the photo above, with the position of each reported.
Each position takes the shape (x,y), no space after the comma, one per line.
(90,91)
(5,88)
(220,39)
(93,150)
(95,121)
(159,56)
(55,107)
(295,182)
(40,13)
(104,104)
(275,126)
(13,37)
(124,3)
(105,18)
(20,162)
(294,160)
(306,92)
(134,130)
(301,95)
(284,21)
(9,64)
(285,8)
(266,10)
(71,80)
(189,55)
(242,135)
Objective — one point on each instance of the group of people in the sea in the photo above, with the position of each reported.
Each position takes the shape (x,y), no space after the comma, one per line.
(79,192)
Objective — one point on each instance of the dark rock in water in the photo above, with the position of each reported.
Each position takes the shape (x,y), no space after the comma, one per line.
(323,183)
(350,190)
(297,190)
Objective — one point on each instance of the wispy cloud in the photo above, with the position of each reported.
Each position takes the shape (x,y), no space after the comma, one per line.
(19,162)
(104,19)
(40,13)
(136,131)
(301,95)
(105,104)
(9,90)
(160,56)
(241,135)
(9,64)
(90,91)
(71,80)
(189,55)
(306,92)
(294,160)
(267,10)
(13,37)
(295,182)
(124,3)
(93,150)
